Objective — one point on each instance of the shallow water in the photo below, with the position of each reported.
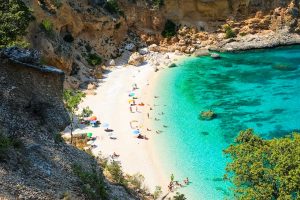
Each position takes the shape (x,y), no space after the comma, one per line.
(255,89)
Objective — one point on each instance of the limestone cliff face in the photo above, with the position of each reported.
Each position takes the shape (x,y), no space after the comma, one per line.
(30,94)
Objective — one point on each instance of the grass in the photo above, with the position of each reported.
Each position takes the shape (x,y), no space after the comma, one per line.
(92,183)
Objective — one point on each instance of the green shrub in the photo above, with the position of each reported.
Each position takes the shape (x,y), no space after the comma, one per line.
(112,7)
(93,184)
(116,172)
(86,112)
(15,17)
(158,3)
(57,3)
(47,26)
(7,143)
(179,196)
(157,192)
(136,181)
(93,59)
(229,33)
(58,138)
(170,29)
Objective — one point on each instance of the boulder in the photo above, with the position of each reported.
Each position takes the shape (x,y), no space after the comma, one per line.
(130,47)
(215,56)
(154,47)
(112,62)
(143,51)
(201,52)
(136,59)
(173,65)
(208,115)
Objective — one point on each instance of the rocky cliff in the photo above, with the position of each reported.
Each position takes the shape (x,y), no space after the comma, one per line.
(34,164)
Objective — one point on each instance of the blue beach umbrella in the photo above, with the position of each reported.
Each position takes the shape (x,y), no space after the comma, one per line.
(136,132)
(93,122)
(105,125)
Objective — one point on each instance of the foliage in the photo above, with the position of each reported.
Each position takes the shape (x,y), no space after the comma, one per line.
(57,3)
(7,143)
(243,34)
(157,193)
(158,3)
(47,26)
(264,169)
(115,170)
(136,181)
(93,184)
(86,112)
(58,138)
(93,59)
(72,99)
(112,7)
(179,196)
(170,29)
(15,17)
(229,33)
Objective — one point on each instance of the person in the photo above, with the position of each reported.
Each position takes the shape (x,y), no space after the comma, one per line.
(130,108)
(136,109)
(148,115)
(148,129)
(115,155)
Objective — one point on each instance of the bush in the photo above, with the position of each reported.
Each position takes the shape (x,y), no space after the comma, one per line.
(86,112)
(57,3)
(179,196)
(115,170)
(15,17)
(93,184)
(58,138)
(229,33)
(112,7)
(170,29)
(47,26)
(93,59)
(136,181)
(157,192)
(7,143)
(158,3)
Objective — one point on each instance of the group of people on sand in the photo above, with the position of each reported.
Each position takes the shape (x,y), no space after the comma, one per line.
(173,185)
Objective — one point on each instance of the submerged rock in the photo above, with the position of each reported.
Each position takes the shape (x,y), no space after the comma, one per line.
(173,65)
(208,115)
(284,67)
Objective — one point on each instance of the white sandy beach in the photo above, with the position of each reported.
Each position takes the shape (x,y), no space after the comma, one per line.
(111,106)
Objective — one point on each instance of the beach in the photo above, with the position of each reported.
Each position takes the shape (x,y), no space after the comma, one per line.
(111,106)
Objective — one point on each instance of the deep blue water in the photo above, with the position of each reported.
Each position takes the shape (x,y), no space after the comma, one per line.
(254,89)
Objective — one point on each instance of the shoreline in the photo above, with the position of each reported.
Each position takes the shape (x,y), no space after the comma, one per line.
(110,105)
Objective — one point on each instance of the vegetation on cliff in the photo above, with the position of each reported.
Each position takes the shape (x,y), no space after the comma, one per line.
(264,169)
(15,17)
(170,29)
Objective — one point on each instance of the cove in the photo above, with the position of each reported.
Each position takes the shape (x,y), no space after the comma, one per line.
(257,89)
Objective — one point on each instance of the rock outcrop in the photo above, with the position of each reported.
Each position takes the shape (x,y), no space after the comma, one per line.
(34,164)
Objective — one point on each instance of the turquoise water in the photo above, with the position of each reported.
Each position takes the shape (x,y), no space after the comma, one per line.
(254,89)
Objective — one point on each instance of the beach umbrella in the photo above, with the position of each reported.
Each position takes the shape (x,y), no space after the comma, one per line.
(131,94)
(89,135)
(93,118)
(105,125)
(136,132)
(93,122)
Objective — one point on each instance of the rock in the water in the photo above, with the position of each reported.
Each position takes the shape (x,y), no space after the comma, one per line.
(136,59)
(284,67)
(201,52)
(208,115)
(173,65)
(215,56)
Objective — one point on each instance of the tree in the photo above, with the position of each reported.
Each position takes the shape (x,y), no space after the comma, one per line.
(264,169)
(179,196)
(15,17)
(72,99)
